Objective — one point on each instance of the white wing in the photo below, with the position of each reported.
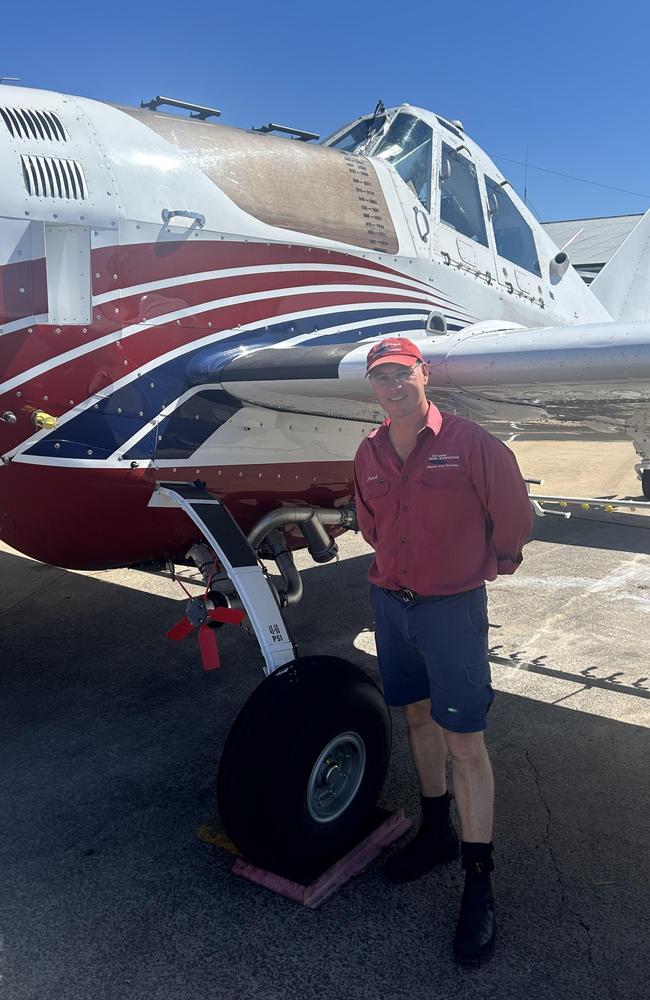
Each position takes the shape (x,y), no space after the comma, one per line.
(595,372)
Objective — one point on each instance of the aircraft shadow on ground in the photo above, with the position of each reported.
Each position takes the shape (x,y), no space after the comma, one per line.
(109,752)
(596,530)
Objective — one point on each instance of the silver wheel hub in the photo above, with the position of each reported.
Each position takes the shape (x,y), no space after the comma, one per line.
(335,777)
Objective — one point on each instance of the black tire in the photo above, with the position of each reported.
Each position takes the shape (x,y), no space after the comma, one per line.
(645,483)
(284,804)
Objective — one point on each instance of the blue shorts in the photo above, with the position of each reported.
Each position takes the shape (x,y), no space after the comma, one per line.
(437,648)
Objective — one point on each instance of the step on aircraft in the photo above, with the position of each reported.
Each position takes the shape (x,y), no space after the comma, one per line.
(183,302)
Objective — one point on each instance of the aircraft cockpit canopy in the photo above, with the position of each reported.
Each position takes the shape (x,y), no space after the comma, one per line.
(403,140)
(360,137)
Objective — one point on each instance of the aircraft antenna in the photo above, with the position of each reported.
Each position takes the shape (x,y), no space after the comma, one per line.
(571,177)
(526,177)
(574,237)
(379,110)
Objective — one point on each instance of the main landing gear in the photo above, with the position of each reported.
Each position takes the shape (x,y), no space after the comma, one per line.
(304,764)
(306,758)
(639,432)
(645,482)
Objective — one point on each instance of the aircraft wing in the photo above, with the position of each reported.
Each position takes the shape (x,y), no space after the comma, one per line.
(595,372)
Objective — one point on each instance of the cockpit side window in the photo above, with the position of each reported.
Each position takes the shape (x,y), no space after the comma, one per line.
(408,147)
(514,237)
(358,138)
(460,199)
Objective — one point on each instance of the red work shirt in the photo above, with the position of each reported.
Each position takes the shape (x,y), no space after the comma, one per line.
(454,515)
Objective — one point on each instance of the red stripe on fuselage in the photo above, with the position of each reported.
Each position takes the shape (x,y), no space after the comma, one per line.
(61,387)
(148,306)
(21,350)
(143,263)
(23,291)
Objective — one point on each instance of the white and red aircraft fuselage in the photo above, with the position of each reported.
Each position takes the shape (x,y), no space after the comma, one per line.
(181,300)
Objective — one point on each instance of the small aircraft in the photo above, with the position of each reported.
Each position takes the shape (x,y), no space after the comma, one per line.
(185,311)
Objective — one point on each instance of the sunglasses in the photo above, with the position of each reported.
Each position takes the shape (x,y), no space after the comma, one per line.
(397,378)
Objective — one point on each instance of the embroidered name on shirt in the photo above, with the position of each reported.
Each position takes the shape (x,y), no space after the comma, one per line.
(443,462)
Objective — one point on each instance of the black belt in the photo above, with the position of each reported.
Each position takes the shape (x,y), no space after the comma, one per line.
(408,596)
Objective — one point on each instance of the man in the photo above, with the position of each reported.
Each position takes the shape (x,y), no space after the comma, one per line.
(445,508)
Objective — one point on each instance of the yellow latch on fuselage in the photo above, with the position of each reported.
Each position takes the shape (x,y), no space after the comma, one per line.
(44,421)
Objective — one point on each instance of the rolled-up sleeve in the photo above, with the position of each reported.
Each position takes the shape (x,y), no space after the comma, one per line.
(502,490)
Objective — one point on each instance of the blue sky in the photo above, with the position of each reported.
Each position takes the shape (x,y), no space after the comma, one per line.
(563,85)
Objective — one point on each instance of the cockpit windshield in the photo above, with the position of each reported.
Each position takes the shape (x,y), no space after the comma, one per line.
(360,137)
(407,145)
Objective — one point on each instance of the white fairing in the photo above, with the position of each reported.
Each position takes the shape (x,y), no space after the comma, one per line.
(623,285)
(69,281)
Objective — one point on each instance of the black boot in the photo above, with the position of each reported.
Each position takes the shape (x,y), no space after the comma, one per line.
(475,933)
(435,843)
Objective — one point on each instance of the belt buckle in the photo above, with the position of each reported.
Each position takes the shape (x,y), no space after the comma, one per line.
(406,595)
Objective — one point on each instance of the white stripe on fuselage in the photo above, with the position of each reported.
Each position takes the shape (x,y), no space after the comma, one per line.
(237,272)
(213,306)
(22,324)
(116,294)
(213,338)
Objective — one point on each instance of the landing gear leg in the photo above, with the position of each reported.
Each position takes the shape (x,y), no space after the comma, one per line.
(640,434)
(239,561)
(307,756)
(643,472)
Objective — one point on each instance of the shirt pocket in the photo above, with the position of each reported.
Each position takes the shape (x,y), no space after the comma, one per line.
(446,497)
(444,479)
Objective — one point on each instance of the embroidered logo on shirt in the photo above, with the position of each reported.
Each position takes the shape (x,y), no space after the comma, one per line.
(370,478)
(443,461)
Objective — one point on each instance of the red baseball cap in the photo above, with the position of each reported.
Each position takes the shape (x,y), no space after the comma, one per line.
(393,350)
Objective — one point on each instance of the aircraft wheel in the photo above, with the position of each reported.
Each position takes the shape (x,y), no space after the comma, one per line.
(304,764)
(645,482)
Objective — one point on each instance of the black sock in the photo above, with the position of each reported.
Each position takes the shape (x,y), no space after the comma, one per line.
(435,809)
(477,858)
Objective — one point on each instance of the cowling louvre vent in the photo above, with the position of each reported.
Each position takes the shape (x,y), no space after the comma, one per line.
(29,123)
(49,177)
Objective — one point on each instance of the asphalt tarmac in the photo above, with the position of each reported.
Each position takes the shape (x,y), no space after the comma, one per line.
(109,742)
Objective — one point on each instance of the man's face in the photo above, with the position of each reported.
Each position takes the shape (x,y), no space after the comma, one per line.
(399,389)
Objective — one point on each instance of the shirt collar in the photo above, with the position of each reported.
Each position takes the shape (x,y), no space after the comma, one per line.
(433,422)
(434,419)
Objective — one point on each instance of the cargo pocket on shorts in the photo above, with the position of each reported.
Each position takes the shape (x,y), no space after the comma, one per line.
(478,673)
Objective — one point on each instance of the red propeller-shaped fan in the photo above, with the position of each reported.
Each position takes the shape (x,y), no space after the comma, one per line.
(199,616)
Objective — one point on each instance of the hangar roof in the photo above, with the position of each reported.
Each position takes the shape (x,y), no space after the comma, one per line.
(597,239)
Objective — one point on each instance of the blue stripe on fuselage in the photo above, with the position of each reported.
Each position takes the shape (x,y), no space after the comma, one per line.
(103,428)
